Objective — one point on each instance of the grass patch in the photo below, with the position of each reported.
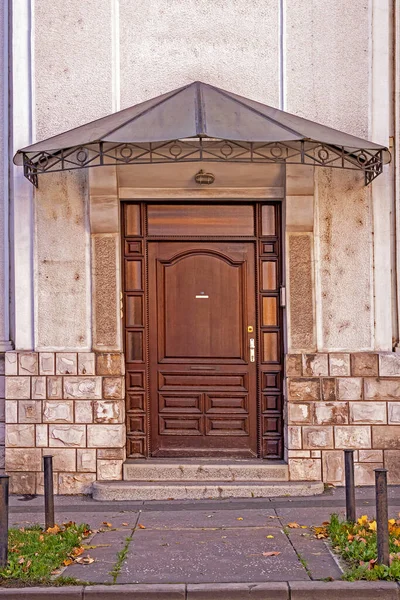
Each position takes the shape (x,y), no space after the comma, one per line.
(357,544)
(34,555)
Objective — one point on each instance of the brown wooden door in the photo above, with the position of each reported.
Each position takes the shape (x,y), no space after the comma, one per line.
(202,382)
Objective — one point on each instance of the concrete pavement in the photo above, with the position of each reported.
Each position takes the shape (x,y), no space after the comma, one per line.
(248,543)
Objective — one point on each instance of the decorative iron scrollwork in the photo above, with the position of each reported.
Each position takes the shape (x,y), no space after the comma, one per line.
(203,149)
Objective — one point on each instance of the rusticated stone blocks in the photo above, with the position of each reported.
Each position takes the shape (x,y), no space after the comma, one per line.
(343,401)
(69,405)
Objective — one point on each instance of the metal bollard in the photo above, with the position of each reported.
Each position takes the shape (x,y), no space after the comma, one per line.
(350,488)
(4,480)
(48,491)
(382,528)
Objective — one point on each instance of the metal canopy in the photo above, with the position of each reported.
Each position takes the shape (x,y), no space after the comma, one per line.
(200,122)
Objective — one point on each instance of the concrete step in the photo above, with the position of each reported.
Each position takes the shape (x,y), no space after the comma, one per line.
(190,490)
(205,470)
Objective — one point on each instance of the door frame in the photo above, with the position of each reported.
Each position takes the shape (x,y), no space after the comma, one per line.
(270,376)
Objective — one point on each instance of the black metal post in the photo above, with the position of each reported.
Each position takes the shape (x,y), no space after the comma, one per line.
(350,488)
(382,528)
(4,479)
(48,491)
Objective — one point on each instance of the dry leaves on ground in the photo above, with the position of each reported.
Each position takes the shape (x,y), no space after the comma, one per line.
(271,553)
(85,560)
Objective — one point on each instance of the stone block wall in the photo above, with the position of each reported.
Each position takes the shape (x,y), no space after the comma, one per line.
(2,410)
(343,401)
(67,404)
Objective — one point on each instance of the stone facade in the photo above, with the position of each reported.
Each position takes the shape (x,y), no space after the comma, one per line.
(341,401)
(67,404)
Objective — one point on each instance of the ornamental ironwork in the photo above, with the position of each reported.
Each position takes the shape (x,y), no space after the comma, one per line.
(199,149)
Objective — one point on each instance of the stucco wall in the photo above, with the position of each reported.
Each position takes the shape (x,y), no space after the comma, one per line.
(328,78)
(62,259)
(72,85)
(3,263)
(234,45)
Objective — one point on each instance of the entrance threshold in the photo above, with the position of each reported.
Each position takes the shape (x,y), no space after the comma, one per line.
(201,479)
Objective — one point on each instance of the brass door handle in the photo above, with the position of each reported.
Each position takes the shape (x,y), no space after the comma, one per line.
(252,350)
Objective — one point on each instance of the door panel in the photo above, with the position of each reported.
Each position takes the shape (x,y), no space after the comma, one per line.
(199,380)
(202,385)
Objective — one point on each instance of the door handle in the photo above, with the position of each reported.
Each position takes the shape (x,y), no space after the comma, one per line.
(252,350)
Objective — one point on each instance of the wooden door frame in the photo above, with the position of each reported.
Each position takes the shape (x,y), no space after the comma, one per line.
(269,376)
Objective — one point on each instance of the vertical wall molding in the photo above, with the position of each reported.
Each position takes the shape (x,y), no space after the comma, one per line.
(382,188)
(282,55)
(5,343)
(21,191)
(115,53)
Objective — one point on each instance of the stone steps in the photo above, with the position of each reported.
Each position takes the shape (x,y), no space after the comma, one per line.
(194,490)
(205,470)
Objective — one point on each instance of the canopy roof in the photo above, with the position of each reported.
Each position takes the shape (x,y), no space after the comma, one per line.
(200,122)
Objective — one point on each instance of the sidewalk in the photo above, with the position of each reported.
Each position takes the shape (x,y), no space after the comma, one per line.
(201,542)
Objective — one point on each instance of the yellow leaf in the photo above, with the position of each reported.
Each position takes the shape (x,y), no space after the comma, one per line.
(77,551)
(270,537)
(239,519)
(392,521)
(85,560)
(303,526)
(362,520)
(52,530)
(67,562)
(107,524)
(372,525)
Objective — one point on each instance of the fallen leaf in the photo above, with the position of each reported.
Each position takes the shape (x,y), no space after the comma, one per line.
(21,560)
(107,524)
(67,562)
(303,526)
(141,526)
(85,560)
(53,530)
(271,553)
(28,564)
(270,537)
(293,525)
(239,519)
(272,517)
(77,551)
(125,524)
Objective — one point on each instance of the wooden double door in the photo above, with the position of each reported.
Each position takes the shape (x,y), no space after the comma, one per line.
(202,330)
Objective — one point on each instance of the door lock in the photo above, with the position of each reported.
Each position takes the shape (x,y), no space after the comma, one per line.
(252,350)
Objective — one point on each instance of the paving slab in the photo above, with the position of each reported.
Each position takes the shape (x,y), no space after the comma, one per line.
(105,556)
(138,592)
(307,516)
(315,554)
(39,593)
(94,519)
(238,591)
(203,556)
(332,590)
(208,518)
